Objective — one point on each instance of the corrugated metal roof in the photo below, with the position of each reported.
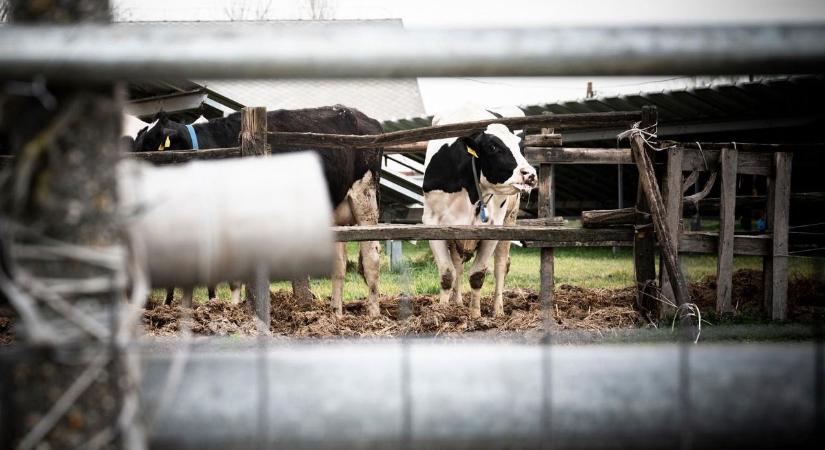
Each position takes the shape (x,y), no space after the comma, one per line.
(794,96)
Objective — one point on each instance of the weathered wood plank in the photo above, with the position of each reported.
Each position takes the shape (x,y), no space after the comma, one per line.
(673,208)
(599,218)
(512,233)
(667,244)
(546,286)
(542,140)
(561,155)
(182,156)
(748,163)
(561,121)
(758,147)
(545,190)
(779,244)
(724,262)
(542,221)
(644,242)
(253,143)
(708,242)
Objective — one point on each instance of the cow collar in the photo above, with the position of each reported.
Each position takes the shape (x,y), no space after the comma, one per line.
(193,137)
(481,204)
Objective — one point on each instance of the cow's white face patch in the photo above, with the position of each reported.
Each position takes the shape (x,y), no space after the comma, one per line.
(523,178)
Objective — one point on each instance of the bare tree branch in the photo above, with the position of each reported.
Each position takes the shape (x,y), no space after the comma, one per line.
(243,10)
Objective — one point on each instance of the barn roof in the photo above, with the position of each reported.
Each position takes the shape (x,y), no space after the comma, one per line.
(775,110)
(770,103)
(383,99)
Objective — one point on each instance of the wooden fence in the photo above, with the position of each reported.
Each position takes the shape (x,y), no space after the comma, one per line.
(656,219)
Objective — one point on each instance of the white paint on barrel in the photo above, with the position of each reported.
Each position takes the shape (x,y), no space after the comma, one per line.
(209,221)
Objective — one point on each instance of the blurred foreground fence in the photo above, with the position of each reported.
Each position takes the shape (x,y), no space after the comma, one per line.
(236,50)
(404,395)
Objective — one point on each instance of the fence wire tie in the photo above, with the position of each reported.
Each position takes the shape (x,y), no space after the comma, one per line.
(645,135)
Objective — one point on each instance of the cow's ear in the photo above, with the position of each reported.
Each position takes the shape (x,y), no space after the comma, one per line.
(477,141)
(170,132)
(161,117)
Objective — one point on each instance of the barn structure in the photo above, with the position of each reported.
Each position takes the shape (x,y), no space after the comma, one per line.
(763,110)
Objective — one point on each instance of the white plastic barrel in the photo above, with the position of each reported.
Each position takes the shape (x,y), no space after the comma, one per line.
(210,221)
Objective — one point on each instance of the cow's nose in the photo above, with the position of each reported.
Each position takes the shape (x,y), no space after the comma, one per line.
(529,176)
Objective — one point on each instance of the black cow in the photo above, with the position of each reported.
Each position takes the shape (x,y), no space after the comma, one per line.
(352,176)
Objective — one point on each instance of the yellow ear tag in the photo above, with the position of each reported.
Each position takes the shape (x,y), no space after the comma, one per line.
(472,152)
(166,144)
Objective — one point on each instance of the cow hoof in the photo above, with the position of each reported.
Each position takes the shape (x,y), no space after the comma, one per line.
(498,312)
(475,313)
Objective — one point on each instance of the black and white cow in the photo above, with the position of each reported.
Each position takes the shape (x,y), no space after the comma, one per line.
(455,195)
(352,176)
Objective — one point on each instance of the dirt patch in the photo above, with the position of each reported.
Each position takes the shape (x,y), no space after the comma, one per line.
(575,308)
(7,317)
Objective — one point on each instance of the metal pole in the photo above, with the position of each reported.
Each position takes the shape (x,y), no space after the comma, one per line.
(347,395)
(114,52)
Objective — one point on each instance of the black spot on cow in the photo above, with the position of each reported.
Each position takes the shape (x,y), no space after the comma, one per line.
(341,168)
(502,203)
(477,279)
(447,280)
(450,168)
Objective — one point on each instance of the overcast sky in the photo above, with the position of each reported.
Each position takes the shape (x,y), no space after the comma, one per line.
(439,93)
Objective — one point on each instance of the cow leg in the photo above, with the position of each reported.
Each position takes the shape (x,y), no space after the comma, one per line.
(210,291)
(235,298)
(339,270)
(458,264)
(170,296)
(501,265)
(501,259)
(446,270)
(369,266)
(477,273)
(363,203)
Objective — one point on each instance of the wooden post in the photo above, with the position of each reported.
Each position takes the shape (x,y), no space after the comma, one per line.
(644,243)
(724,265)
(775,267)
(63,195)
(546,267)
(254,143)
(667,245)
(673,208)
(546,286)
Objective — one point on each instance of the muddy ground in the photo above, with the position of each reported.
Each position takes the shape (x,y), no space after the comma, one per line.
(575,309)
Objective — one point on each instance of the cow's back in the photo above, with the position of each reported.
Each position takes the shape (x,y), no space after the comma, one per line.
(342,167)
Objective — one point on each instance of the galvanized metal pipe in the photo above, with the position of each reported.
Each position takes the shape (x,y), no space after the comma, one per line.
(233,50)
(422,394)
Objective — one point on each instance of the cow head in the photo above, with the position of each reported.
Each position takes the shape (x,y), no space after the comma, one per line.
(503,168)
(163,134)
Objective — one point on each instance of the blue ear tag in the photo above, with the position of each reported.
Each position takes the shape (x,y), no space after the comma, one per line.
(483,213)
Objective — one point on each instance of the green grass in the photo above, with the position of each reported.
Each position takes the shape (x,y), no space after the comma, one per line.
(585,267)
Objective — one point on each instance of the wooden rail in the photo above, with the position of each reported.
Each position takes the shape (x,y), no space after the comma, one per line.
(561,121)
(550,234)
